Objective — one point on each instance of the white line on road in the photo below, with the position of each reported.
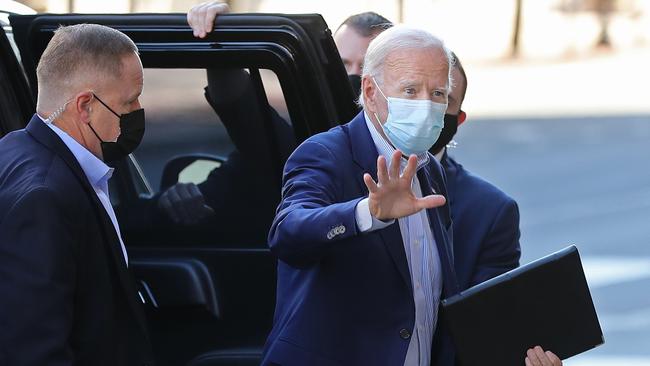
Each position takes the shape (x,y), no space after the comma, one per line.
(605,271)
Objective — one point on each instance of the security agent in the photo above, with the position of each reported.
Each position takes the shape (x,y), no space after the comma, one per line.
(67,296)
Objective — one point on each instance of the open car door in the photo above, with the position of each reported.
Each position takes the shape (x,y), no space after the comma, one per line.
(274,80)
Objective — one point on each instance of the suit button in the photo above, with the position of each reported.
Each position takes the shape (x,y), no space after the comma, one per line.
(404,334)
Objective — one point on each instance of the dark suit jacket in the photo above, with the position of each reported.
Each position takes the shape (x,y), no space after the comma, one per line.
(67,296)
(486,226)
(345,298)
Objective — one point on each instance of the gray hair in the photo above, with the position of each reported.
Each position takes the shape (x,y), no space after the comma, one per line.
(80,52)
(399,38)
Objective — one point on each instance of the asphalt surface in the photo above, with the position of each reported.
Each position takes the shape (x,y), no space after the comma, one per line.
(582,181)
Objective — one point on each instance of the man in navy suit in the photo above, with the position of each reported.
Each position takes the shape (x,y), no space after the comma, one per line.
(67,296)
(486,220)
(365,249)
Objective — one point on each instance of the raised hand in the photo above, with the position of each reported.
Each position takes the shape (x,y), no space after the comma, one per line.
(392,196)
(202,16)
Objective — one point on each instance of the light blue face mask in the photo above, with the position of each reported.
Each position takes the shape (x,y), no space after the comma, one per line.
(412,125)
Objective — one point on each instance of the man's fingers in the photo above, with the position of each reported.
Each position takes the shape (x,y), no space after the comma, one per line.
(393,172)
(178,203)
(201,209)
(194,19)
(202,19)
(195,192)
(528,363)
(554,359)
(542,356)
(166,205)
(431,201)
(411,168)
(534,358)
(382,172)
(183,191)
(190,21)
(370,183)
(211,14)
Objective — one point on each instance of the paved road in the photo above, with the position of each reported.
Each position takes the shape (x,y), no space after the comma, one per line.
(583,181)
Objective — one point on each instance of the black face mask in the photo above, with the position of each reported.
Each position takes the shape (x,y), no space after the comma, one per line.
(132,131)
(355,82)
(447,133)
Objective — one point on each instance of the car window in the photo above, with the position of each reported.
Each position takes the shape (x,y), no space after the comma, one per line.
(215,138)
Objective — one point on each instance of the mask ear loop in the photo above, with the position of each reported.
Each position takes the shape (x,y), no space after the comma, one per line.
(383,95)
(377,117)
(378,88)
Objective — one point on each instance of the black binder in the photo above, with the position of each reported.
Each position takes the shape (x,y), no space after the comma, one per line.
(546,303)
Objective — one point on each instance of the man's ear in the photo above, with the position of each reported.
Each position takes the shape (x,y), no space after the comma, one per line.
(368,88)
(462,116)
(83,106)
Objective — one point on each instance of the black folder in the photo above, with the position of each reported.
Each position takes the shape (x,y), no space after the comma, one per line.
(546,303)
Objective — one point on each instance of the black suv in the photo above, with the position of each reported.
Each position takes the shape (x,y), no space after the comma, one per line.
(209,288)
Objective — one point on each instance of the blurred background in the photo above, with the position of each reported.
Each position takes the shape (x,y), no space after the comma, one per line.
(558,117)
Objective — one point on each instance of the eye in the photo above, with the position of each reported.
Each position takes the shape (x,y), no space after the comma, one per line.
(409,91)
(438,93)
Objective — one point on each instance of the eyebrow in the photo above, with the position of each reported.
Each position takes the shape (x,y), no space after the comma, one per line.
(404,83)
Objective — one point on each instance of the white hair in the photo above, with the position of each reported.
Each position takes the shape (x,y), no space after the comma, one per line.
(398,38)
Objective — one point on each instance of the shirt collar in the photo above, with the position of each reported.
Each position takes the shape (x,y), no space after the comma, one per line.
(97,172)
(440,154)
(386,149)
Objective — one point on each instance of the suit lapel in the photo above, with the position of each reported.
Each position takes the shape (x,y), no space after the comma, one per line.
(443,240)
(451,172)
(365,156)
(37,129)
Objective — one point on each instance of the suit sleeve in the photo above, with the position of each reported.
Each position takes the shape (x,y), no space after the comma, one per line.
(37,277)
(232,96)
(310,217)
(500,250)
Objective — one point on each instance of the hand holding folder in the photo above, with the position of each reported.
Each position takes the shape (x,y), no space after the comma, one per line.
(545,303)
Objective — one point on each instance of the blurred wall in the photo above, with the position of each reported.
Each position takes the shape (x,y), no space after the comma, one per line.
(477,29)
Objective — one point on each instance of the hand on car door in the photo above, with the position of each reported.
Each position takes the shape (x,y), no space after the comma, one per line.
(202,16)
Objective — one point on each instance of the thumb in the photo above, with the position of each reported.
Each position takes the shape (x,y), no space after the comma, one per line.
(431,201)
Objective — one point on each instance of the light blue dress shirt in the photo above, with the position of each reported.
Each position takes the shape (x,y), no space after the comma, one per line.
(421,254)
(98,174)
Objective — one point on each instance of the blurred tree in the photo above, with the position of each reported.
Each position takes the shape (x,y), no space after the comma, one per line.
(514,49)
(603,9)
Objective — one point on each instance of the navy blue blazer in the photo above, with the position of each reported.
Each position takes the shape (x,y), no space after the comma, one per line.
(67,297)
(486,226)
(345,298)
